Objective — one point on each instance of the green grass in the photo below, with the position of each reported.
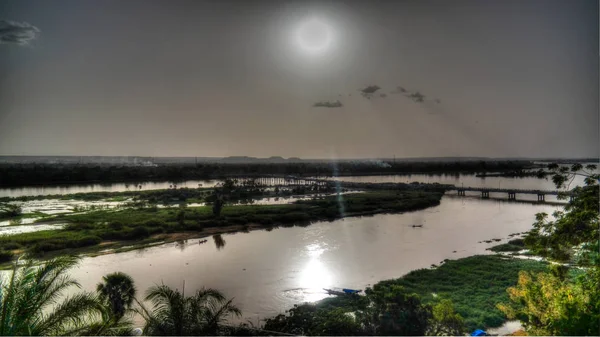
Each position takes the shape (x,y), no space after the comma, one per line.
(90,229)
(119,196)
(474,284)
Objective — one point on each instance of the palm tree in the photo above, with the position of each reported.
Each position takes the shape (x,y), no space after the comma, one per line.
(117,291)
(172,313)
(27,293)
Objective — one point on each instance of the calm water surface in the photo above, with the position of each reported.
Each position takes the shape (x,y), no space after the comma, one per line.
(268,272)
(527,183)
(87,188)
(458,180)
(469,180)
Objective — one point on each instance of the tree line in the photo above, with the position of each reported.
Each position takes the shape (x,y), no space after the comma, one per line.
(12,175)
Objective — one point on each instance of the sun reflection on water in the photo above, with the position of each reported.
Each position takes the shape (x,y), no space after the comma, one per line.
(315,275)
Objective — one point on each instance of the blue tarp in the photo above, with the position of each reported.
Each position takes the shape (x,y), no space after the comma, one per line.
(479,332)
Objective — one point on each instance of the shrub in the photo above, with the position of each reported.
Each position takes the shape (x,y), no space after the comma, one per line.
(85,241)
(10,245)
(115,225)
(47,246)
(154,223)
(517,242)
(5,256)
(139,232)
(79,226)
(113,235)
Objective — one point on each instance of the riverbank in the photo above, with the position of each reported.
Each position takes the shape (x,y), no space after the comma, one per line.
(475,285)
(136,227)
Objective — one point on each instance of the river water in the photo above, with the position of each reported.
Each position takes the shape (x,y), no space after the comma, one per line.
(269,271)
(466,180)
(266,272)
(14,192)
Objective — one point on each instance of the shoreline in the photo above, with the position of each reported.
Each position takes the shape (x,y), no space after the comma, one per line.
(138,227)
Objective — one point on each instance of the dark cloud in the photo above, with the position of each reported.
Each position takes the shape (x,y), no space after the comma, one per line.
(328,104)
(17,32)
(370,89)
(417,97)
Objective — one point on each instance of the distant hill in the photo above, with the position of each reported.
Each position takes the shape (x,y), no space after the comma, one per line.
(140,160)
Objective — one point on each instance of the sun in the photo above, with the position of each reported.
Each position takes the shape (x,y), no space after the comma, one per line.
(314,36)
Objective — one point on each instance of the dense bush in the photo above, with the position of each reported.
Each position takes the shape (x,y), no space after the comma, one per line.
(5,256)
(517,242)
(9,245)
(139,232)
(115,225)
(154,223)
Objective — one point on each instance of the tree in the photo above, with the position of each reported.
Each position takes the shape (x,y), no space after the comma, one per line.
(172,313)
(28,293)
(218,204)
(393,312)
(445,321)
(564,301)
(550,306)
(573,236)
(10,210)
(310,320)
(118,291)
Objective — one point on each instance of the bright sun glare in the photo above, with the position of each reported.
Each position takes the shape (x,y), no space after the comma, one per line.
(314,36)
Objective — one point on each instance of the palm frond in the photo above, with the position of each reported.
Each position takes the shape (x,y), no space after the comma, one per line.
(72,312)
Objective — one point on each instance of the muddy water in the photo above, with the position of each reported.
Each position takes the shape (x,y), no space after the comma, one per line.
(457,180)
(268,272)
(87,188)
(527,183)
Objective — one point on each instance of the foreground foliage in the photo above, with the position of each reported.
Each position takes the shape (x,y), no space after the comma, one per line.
(474,284)
(387,310)
(563,301)
(117,290)
(173,314)
(28,292)
(550,306)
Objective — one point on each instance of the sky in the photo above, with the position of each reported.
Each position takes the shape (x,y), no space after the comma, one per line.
(514,78)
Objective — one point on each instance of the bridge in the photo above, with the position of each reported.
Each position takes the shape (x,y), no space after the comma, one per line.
(512,192)
(288,180)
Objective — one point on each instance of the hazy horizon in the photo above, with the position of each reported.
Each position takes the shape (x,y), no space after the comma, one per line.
(228,78)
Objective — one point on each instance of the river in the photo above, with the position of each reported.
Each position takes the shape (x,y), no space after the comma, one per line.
(467,180)
(269,271)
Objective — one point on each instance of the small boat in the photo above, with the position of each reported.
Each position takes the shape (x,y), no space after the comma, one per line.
(343,292)
(479,332)
(417,226)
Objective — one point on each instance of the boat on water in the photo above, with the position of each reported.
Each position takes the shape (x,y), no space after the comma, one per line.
(343,291)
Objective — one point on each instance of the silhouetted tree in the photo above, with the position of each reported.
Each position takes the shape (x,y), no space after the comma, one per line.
(118,291)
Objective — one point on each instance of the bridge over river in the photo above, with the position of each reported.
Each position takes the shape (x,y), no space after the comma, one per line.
(512,193)
(287,180)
